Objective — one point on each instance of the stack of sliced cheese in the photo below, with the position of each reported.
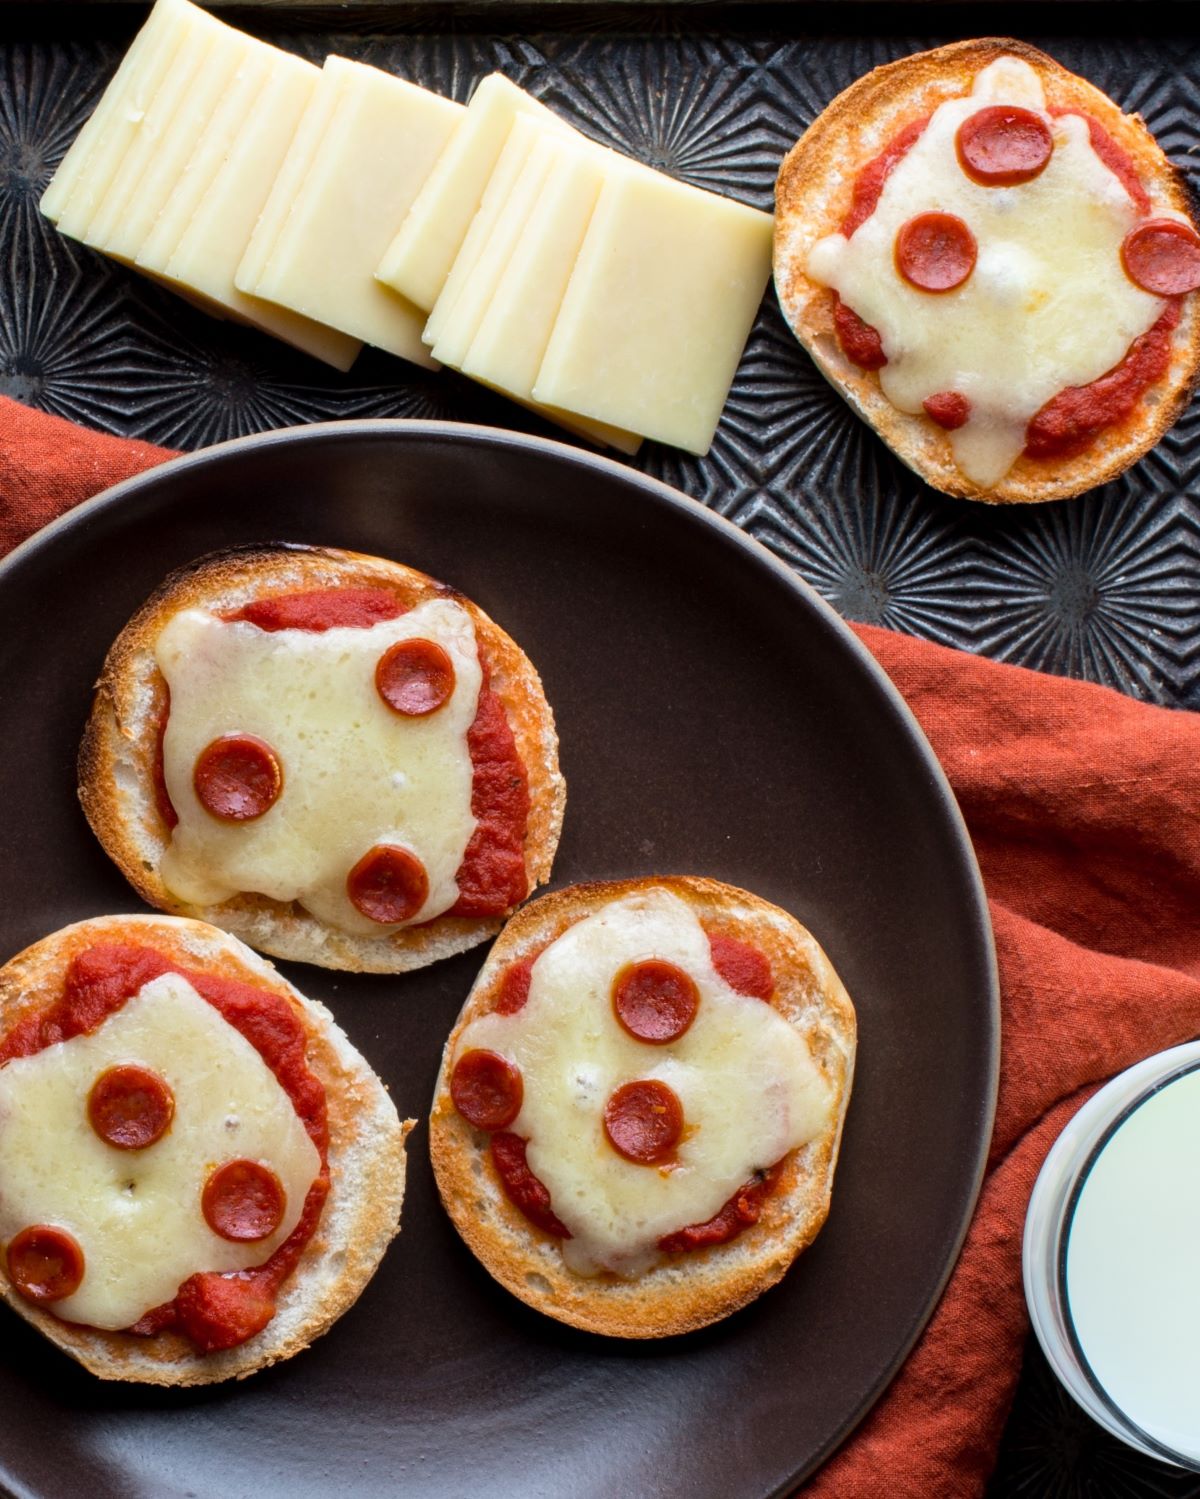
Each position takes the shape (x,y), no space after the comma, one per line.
(337,206)
(172,169)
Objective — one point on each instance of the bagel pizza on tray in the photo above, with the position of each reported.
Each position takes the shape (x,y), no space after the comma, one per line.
(639,1109)
(330,755)
(995,267)
(198,1172)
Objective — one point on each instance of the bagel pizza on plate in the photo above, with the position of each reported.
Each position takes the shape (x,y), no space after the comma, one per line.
(638,1113)
(332,756)
(996,267)
(198,1172)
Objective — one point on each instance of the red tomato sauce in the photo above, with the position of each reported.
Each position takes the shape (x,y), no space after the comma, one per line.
(215,1311)
(1069,422)
(321,609)
(859,342)
(513,989)
(950,409)
(868,185)
(162,797)
(742,1210)
(491,878)
(743,967)
(1115,158)
(522,1187)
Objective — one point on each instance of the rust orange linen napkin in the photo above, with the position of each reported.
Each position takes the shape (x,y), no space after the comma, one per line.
(1084,807)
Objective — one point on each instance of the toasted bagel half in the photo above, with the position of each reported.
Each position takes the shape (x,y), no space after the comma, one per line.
(778,1205)
(121,755)
(814,192)
(366,1160)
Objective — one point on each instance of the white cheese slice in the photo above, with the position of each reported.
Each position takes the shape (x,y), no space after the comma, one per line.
(1048,304)
(747,1081)
(95,154)
(153,132)
(120,230)
(342,217)
(206,257)
(458,328)
(512,331)
(355,774)
(418,260)
(206,151)
(137,1214)
(511,336)
(511,162)
(304,140)
(658,309)
(138,114)
(490,237)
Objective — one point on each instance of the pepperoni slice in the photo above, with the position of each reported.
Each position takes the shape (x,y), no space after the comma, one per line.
(237,778)
(1162,256)
(1004,145)
(243,1201)
(654,1001)
(742,967)
(487,1089)
(948,408)
(130,1107)
(935,252)
(514,987)
(415,677)
(643,1121)
(388,884)
(45,1264)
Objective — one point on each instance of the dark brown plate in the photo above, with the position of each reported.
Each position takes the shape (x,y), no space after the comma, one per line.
(716,717)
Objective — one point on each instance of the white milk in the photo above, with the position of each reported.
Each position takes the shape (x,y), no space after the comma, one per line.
(1112,1256)
(1133,1266)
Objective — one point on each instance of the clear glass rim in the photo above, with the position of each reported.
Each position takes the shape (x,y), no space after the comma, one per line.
(1048,1224)
(1157,1446)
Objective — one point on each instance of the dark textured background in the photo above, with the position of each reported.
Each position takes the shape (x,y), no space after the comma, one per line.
(1104,587)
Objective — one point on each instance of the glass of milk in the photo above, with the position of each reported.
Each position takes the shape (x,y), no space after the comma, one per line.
(1112,1256)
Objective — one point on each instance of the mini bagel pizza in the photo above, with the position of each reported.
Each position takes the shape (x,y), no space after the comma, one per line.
(995,267)
(639,1109)
(330,755)
(198,1172)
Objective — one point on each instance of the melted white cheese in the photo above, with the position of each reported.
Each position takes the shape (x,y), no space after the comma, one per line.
(749,1086)
(136,1214)
(354,772)
(1048,304)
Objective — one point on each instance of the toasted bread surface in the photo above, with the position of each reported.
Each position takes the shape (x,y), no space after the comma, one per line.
(366,1160)
(685,1291)
(117,757)
(813,194)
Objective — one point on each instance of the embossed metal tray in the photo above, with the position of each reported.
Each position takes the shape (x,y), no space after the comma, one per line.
(1104,587)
